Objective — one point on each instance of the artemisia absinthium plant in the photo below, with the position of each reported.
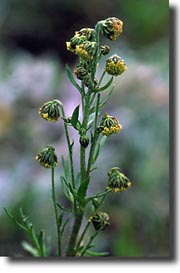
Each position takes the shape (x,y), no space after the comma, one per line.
(93,129)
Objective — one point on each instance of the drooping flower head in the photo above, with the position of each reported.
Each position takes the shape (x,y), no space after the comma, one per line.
(109,125)
(117,182)
(100,220)
(112,28)
(115,66)
(47,157)
(50,110)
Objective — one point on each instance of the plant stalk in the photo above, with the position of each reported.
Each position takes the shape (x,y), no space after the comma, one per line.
(56,212)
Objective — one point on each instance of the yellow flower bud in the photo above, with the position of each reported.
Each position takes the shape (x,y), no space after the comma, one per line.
(115,66)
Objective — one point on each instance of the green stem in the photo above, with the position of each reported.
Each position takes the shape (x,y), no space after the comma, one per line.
(82,236)
(69,148)
(95,137)
(56,212)
(79,213)
(75,230)
(89,243)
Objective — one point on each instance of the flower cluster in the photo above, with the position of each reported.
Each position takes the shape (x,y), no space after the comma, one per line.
(109,125)
(47,157)
(118,182)
(83,44)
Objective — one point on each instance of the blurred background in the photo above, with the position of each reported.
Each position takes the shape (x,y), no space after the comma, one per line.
(32,71)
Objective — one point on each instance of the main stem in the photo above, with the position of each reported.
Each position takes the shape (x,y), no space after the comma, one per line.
(79,210)
(79,213)
(56,212)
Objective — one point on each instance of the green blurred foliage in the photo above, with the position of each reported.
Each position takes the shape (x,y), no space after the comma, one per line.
(32,57)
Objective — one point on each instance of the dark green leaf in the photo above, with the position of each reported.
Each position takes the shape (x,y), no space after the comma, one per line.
(74,119)
(40,240)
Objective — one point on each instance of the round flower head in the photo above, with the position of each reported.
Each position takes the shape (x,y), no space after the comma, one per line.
(50,110)
(47,157)
(109,125)
(118,182)
(100,220)
(112,28)
(115,66)
(84,141)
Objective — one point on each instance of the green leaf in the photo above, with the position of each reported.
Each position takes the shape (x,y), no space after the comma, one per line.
(29,248)
(96,254)
(40,240)
(97,195)
(74,119)
(69,191)
(71,78)
(107,97)
(63,208)
(64,225)
(105,86)
(99,148)
(15,220)
(82,190)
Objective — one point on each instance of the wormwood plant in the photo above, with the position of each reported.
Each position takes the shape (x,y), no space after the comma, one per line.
(93,130)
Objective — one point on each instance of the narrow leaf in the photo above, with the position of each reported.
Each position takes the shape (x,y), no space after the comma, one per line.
(63,208)
(96,254)
(71,78)
(107,98)
(40,240)
(82,190)
(74,119)
(64,225)
(29,248)
(99,148)
(15,220)
(105,86)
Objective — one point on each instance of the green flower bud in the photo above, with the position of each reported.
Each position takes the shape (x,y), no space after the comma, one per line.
(89,33)
(81,72)
(50,110)
(109,125)
(115,66)
(105,49)
(84,141)
(47,157)
(117,182)
(112,28)
(100,220)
